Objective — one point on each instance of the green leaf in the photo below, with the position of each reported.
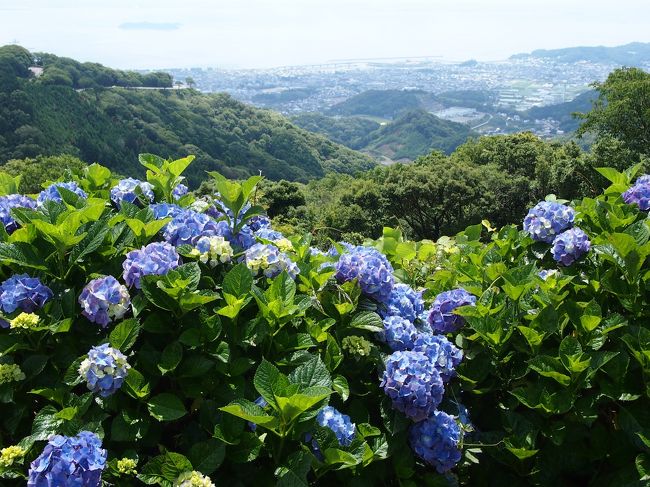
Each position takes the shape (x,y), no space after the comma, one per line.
(249,411)
(136,385)
(266,379)
(91,242)
(312,373)
(341,387)
(238,281)
(171,357)
(367,320)
(125,334)
(571,355)
(293,406)
(164,469)
(549,367)
(166,407)
(20,253)
(207,456)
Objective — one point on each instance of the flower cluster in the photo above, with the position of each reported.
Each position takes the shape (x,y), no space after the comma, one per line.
(25,321)
(268,259)
(13,201)
(356,346)
(179,191)
(104,370)
(193,479)
(128,189)
(126,466)
(10,454)
(436,441)
(339,423)
(441,315)
(10,373)
(398,333)
(214,250)
(569,246)
(69,461)
(51,193)
(258,222)
(413,383)
(103,300)
(404,301)
(157,258)
(165,210)
(370,268)
(639,194)
(444,355)
(547,219)
(188,226)
(275,237)
(23,292)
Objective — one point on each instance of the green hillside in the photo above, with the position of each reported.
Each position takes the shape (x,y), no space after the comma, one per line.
(114,125)
(386,103)
(349,131)
(632,54)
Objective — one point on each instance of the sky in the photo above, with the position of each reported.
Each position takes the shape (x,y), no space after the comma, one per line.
(133,34)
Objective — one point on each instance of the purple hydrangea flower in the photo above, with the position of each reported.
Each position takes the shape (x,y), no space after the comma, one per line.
(157,258)
(436,441)
(547,219)
(179,191)
(69,461)
(125,190)
(13,201)
(268,259)
(24,292)
(639,194)
(188,226)
(569,246)
(371,269)
(644,179)
(404,301)
(52,192)
(444,354)
(413,383)
(104,299)
(441,315)
(398,333)
(165,210)
(340,424)
(104,370)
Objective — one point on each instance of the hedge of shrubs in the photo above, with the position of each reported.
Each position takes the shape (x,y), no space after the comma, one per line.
(151,337)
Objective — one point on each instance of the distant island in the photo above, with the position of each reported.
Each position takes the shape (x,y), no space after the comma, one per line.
(632,54)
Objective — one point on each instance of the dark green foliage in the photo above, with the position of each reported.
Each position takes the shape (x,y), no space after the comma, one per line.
(622,110)
(564,112)
(480,100)
(349,131)
(35,172)
(279,98)
(385,103)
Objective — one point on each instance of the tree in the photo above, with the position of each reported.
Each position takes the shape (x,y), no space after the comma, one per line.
(36,171)
(189,81)
(622,110)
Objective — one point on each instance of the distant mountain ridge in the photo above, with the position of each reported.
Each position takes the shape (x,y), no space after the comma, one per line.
(632,54)
(48,116)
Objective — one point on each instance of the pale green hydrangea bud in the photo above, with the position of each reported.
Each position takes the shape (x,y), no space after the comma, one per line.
(25,320)
(10,373)
(10,454)
(214,249)
(356,346)
(126,466)
(193,479)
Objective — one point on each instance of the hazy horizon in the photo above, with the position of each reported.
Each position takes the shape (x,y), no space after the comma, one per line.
(264,34)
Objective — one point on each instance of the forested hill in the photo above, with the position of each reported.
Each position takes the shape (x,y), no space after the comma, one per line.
(632,54)
(47,115)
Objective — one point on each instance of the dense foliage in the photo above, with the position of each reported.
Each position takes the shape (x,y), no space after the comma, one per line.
(387,104)
(113,125)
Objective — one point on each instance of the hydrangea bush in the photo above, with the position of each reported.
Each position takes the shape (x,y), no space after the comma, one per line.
(227,352)
(151,338)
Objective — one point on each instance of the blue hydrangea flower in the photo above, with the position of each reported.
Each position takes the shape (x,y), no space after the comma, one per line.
(179,191)
(104,370)
(546,273)
(69,461)
(268,259)
(413,383)
(644,179)
(398,333)
(436,441)
(103,300)
(403,301)
(214,250)
(547,219)
(125,190)
(13,201)
(157,258)
(258,222)
(444,354)
(268,234)
(441,315)
(340,424)
(242,240)
(24,292)
(52,192)
(639,194)
(371,269)
(188,226)
(570,246)
(165,210)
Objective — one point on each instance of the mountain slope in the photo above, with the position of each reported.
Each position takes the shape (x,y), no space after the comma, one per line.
(113,125)
(349,131)
(562,112)
(386,103)
(632,54)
